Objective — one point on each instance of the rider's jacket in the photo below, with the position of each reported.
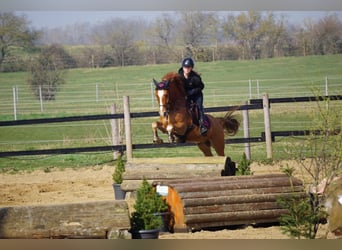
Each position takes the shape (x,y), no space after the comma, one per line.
(193,85)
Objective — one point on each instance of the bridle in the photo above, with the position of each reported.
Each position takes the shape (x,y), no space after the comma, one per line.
(161,87)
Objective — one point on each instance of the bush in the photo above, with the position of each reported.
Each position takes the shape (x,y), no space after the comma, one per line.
(148,203)
(244,166)
(304,214)
(119,170)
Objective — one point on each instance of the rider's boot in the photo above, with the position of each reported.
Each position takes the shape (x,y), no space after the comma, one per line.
(203,129)
(203,126)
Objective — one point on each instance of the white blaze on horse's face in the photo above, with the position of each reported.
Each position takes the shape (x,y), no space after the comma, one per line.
(163,99)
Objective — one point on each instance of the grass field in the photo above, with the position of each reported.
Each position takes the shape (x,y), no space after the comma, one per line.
(92,91)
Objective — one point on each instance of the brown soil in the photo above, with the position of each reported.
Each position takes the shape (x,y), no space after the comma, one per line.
(95,184)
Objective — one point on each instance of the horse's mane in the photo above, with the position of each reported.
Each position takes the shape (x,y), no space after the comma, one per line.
(175,82)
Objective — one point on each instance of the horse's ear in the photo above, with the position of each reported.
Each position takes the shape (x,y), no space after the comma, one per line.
(155,82)
(167,83)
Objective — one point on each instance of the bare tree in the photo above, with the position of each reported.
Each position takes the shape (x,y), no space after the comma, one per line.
(196,29)
(245,31)
(162,36)
(273,36)
(14,32)
(47,72)
(328,35)
(122,36)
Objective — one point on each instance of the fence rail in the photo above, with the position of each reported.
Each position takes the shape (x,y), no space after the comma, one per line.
(254,105)
(116,116)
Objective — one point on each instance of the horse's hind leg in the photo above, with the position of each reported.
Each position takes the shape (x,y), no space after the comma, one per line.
(205,148)
(219,147)
(218,143)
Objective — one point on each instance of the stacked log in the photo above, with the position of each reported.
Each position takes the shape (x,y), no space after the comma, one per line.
(101,219)
(162,169)
(225,201)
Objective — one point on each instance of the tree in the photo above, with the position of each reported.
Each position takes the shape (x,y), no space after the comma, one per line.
(244,30)
(320,158)
(14,33)
(196,29)
(47,73)
(122,36)
(162,38)
(273,36)
(328,35)
(259,35)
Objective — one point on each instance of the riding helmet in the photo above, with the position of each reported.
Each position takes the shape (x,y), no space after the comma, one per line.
(188,62)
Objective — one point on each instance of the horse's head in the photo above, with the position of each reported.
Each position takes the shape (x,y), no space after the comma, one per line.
(163,97)
(169,92)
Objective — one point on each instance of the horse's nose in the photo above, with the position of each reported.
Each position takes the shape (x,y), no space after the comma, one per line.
(165,114)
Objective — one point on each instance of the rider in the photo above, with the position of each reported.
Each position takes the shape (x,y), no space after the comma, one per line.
(194,86)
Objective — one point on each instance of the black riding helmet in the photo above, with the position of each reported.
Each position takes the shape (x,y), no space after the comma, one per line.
(188,62)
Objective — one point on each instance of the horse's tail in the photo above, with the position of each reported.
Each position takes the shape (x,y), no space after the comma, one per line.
(230,123)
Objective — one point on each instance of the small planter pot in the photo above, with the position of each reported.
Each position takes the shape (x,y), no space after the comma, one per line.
(165,216)
(145,234)
(119,194)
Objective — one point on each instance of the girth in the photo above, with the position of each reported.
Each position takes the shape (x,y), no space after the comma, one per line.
(182,138)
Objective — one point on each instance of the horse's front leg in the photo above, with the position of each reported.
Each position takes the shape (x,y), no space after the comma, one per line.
(155,126)
(169,129)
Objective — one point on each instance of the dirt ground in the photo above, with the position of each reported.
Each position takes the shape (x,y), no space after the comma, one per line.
(95,184)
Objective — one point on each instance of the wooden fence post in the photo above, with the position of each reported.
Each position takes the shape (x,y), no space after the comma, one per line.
(267,122)
(14,104)
(128,134)
(115,131)
(246,132)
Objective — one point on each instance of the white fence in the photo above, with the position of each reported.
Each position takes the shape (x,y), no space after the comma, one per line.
(97,97)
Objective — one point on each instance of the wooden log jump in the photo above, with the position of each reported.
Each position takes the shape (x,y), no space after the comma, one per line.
(157,169)
(224,201)
(105,219)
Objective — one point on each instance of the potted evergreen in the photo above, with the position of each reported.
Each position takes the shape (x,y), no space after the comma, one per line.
(117,179)
(145,224)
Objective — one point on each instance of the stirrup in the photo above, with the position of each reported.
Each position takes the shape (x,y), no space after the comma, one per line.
(203,130)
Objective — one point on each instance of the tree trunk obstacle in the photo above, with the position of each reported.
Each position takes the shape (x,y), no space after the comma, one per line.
(102,219)
(226,201)
(201,194)
(174,168)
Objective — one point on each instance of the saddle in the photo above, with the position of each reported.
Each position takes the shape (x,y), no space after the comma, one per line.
(193,111)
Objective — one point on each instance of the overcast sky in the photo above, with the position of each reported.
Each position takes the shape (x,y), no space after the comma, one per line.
(51,19)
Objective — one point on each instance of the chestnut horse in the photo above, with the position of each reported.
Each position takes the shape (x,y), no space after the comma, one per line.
(176,119)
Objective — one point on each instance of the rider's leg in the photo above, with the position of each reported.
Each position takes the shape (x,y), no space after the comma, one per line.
(202,120)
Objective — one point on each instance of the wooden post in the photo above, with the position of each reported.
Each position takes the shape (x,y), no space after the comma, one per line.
(267,122)
(115,131)
(14,104)
(128,134)
(246,132)
(326,92)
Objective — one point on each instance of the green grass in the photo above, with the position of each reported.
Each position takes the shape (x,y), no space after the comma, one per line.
(226,83)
